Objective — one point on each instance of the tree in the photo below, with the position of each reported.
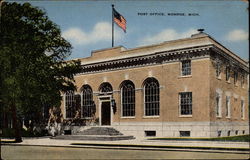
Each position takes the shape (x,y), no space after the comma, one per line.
(32,62)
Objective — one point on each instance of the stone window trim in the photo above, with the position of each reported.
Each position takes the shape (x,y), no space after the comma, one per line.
(218,104)
(127,117)
(186,68)
(185,116)
(151,90)
(228,107)
(188,76)
(148,117)
(185,104)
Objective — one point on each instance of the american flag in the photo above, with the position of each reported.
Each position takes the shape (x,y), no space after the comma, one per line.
(119,20)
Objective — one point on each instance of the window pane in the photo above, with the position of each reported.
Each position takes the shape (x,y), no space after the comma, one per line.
(186,103)
(69,104)
(227,73)
(128,99)
(218,70)
(152,97)
(87,102)
(186,67)
(242,109)
(106,87)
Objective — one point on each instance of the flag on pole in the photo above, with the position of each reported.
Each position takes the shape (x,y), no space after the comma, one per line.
(119,20)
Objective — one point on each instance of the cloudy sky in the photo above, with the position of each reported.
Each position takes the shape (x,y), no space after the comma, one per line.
(87,24)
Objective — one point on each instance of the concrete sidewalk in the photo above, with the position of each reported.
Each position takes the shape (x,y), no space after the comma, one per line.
(211,146)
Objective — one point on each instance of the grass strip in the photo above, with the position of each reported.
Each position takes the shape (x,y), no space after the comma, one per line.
(241,138)
(158,146)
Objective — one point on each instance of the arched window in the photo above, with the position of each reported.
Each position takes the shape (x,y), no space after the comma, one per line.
(128,99)
(88,109)
(151,97)
(105,87)
(70,104)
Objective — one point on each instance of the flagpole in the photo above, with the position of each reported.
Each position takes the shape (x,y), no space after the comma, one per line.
(112,25)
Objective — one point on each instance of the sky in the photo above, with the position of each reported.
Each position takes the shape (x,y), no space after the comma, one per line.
(87,24)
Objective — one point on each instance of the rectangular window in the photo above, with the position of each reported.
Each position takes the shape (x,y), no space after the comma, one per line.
(242,80)
(227,74)
(67,132)
(218,105)
(218,133)
(236,132)
(186,68)
(228,111)
(184,133)
(185,103)
(235,77)
(242,109)
(150,133)
(218,70)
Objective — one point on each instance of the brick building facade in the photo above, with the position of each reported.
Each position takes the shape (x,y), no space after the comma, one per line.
(188,87)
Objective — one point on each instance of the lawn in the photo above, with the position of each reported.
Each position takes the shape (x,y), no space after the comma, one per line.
(241,138)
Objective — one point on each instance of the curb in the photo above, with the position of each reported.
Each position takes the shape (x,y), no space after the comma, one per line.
(144,147)
(164,146)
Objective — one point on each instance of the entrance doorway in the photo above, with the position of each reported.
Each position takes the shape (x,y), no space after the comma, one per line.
(105,118)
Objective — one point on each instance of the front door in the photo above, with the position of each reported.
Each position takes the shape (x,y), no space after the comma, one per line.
(105,113)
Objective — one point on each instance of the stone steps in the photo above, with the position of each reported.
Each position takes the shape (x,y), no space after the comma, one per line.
(96,134)
(93,137)
(100,131)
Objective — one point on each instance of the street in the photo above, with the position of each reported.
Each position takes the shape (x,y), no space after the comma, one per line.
(40,152)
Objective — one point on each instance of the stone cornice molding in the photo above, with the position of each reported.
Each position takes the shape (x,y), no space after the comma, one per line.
(217,53)
(157,58)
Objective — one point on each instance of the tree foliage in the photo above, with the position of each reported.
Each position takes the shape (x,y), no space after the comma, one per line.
(32,60)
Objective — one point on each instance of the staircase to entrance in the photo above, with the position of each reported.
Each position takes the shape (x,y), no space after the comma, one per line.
(97,134)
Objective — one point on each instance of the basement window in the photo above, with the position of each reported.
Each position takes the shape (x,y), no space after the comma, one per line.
(236,132)
(184,133)
(67,132)
(150,133)
(218,133)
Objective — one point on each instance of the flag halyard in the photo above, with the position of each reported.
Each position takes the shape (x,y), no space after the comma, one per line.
(120,20)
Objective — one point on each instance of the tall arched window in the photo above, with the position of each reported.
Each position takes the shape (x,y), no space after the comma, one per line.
(105,87)
(151,97)
(70,104)
(128,99)
(87,102)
